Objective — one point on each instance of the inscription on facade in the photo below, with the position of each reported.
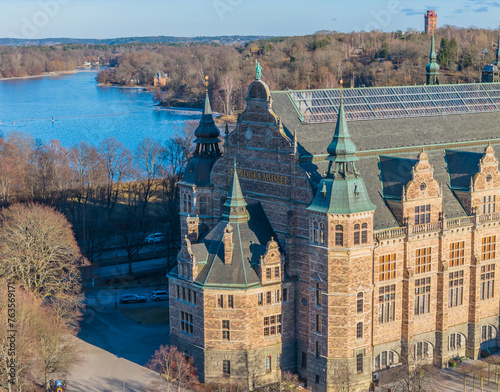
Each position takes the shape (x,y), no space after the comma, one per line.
(258,176)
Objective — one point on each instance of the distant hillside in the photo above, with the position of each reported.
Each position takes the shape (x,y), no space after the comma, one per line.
(223,40)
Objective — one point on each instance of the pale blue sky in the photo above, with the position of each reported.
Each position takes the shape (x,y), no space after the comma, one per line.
(119,18)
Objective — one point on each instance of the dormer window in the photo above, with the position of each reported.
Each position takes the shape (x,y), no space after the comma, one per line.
(422,214)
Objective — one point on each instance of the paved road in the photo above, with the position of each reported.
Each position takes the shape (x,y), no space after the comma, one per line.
(115,349)
(140,267)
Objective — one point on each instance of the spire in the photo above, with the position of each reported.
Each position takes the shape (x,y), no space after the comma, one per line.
(207,134)
(341,149)
(235,205)
(432,69)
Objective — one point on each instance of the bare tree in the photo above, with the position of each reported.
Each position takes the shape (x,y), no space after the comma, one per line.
(174,368)
(341,376)
(39,252)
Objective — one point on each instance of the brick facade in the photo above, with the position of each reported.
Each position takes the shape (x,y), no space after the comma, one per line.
(359,298)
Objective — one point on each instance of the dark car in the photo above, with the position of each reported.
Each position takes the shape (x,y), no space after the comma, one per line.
(129,298)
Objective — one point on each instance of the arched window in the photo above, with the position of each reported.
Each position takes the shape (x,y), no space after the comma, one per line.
(339,235)
(356,234)
(359,303)
(184,203)
(203,205)
(456,341)
(364,233)
(189,204)
(423,350)
(315,232)
(488,332)
(322,233)
(359,330)
(386,358)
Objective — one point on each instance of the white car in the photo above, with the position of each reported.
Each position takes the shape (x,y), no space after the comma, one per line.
(160,295)
(154,238)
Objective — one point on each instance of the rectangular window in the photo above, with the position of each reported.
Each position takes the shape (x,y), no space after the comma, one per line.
(179,292)
(260,299)
(183,293)
(318,322)
(487,281)
(230,301)
(285,295)
(317,378)
(422,260)
(422,214)
(457,254)
(387,267)
(225,330)
(194,297)
(277,298)
(386,303)
(318,349)
(268,298)
(456,288)
(226,368)
(278,360)
(189,295)
(486,333)
(276,272)
(304,360)
(359,331)
(488,248)
(359,363)
(422,295)
(364,235)
(220,301)
(187,322)
(422,350)
(359,303)
(268,273)
(272,325)
(318,294)
(487,204)
(356,237)
(268,363)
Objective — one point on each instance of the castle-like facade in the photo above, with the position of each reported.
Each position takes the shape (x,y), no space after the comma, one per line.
(312,240)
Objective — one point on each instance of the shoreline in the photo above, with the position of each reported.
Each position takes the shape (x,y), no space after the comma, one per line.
(44,75)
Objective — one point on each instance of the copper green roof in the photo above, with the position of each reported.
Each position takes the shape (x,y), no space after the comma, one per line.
(235,205)
(341,148)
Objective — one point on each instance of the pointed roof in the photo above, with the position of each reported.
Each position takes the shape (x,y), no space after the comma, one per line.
(433,66)
(342,191)
(341,148)
(207,132)
(235,205)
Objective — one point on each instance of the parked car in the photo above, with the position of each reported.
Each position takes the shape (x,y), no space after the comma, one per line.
(154,238)
(160,295)
(128,298)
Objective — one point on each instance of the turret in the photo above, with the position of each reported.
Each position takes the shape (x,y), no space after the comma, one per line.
(432,69)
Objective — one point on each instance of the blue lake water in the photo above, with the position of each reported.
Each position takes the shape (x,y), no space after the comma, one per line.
(82,110)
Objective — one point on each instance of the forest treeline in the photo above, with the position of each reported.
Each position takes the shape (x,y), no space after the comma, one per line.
(111,195)
(320,60)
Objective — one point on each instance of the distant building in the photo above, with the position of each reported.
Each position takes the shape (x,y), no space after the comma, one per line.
(431,22)
(490,73)
(160,79)
(255,51)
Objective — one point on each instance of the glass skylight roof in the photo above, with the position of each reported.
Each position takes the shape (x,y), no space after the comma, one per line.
(318,106)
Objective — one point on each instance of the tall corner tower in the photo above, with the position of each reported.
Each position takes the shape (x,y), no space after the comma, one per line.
(341,276)
(430,22)
(196,190)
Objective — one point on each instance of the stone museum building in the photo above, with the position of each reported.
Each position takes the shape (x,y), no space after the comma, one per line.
(336,228)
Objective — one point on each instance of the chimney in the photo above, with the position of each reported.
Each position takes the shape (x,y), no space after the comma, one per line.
(228,244)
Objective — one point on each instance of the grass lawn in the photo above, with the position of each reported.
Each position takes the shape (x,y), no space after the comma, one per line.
(147,315)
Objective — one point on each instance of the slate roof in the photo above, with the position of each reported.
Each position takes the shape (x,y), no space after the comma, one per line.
(383,167)
(250,239)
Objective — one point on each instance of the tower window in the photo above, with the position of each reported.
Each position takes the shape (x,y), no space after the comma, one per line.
(339,235)
(359,303)
(203,205)
(364,233)
(315,233)
(322,233)
(356,233)
(226,368)
(359,330)
(318,323)
(359,363)
(422,214)
(318,349)
(318,294)
(225,330)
